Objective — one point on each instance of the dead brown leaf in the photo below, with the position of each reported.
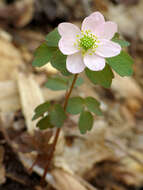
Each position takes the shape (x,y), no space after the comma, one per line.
(38,142)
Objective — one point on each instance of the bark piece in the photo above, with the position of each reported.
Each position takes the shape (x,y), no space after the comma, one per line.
(2,169)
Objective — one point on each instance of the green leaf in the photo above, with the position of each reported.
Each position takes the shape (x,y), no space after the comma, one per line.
(49,52)
(85,122)
(75,105)
(122,64)
(57,116)
(41,109)
(122,43)
(44,123)
(78,82)
(58,61)
(103,78)
(57,83)
(43,55)
(93,105)
(53,38)
(60,83)
(116,36)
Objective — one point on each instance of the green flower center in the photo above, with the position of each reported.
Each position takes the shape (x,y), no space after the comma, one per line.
(87,42)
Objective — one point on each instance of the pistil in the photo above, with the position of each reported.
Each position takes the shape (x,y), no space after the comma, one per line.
(87,41)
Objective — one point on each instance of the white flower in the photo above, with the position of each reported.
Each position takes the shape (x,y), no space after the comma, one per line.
(90,46)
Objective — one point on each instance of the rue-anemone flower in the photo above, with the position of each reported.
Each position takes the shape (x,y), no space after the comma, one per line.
(89,46)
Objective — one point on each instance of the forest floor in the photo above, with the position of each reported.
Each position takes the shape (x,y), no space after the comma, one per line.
(110,157)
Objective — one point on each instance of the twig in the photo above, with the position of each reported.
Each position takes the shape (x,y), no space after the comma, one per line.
(58,130)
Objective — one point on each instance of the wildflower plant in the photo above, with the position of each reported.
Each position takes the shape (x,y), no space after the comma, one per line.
(97,50)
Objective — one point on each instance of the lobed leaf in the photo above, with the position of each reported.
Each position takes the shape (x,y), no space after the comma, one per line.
(43,54)
(122,43)
(60,83)
(78,82)
(49,52)
(58,61)
(103,78)
(44,123)
(57,116)
(75,105)
(41,109)
(93,105)
(53,38)
(57,83)
(122,64)
(85,122)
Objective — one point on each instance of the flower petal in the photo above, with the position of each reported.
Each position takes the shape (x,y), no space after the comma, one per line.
(106,30)
(68,29)
(108,48)
(67,46)
(74,63)
(98,16)
(94,62)
(92,22)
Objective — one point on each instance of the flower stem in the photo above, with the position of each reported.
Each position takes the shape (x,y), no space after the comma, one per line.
(59,129)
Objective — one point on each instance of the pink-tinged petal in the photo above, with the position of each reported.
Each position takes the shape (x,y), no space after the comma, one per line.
(98,16)
(107,30)
(74,63)
(108,48)
(92,22)
(94,62)
(68,29)
(67,46)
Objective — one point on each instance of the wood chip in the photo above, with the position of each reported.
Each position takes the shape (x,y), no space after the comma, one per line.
(66,181)
(10,100)
(10,59)
(9,97)
(31,96)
